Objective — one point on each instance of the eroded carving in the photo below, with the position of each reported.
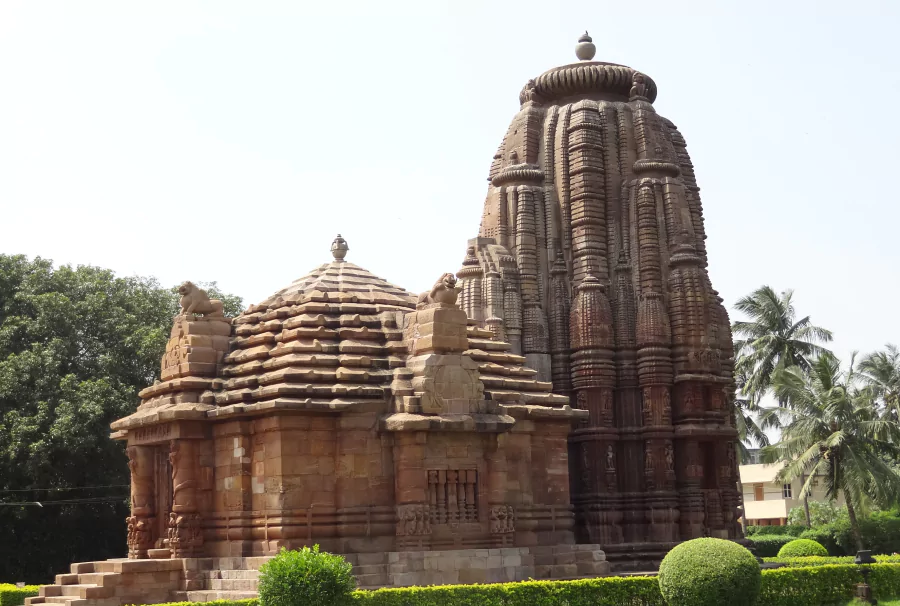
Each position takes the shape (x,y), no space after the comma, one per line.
(194,300)
(444,291)
(503,518)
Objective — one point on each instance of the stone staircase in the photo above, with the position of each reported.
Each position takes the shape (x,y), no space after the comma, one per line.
(118,582)
(112,583)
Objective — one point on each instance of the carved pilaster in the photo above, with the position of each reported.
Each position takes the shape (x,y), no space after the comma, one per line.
(185,538)
(141,521)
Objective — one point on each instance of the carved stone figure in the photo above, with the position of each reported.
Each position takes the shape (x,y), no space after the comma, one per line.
(413,520)
(140,536)
(194,300)
(638,88)
(184,535)
(444,291)
(502,519)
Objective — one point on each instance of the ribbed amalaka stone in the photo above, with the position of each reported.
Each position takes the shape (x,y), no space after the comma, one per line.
(606,189)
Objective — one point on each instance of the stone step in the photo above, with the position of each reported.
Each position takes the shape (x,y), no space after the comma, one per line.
(103,579)
(87,591)
(67,579)
(232,585)
(371,581)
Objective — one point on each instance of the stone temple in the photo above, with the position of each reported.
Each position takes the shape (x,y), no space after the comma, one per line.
(430,439)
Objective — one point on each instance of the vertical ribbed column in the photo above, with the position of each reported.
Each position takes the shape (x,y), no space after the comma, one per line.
(587,193)
(654,372)
(471,276)
(593,380)
(494,298)
(559,327)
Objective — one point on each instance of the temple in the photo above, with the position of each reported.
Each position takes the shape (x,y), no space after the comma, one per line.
(430,439)
(590,261)
(346,412)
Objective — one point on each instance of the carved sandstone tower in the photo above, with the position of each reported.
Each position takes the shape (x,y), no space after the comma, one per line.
(590,261)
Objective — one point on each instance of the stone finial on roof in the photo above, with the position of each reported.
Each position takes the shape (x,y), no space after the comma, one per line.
(585,48)
(339,248)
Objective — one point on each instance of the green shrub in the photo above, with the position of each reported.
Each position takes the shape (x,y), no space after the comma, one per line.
(880,533)
(802,548)
(709,572)
(824,536)
(790,530)
(10,595)
(830,560)
(825,585)
(768,545)
(306,577)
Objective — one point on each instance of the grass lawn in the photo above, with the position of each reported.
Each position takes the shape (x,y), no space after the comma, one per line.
(880,603)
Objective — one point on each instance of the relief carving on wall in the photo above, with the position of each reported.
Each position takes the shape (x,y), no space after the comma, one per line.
(413,520)
(503,519)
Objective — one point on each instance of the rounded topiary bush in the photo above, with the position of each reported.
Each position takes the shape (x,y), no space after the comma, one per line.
(709,572)
(801,548)
(305,577)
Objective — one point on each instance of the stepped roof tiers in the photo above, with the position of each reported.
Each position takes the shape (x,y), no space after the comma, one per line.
(590,261)
(346,412)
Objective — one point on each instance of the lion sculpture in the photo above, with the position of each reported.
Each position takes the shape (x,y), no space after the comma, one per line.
(444,291)
(194,300)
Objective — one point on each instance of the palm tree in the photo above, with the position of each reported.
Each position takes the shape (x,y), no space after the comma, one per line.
(772,337)
(880,371)
(833,429)
(749,432)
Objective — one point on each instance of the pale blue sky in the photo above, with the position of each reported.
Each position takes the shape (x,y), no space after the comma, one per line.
(230,141)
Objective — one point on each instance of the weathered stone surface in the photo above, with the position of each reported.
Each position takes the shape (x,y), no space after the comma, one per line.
(590,262)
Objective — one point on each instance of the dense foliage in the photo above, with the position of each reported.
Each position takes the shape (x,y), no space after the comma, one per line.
(305,577)
(76,346)
(834,429)
(802,548)
(820,512)
(709,572)
(768,545)
(824,585)
(790,529)
(10,595)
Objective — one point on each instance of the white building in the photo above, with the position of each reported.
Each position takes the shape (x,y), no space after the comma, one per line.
(767,502)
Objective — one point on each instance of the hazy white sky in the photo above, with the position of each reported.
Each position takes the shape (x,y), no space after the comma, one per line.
(231,141)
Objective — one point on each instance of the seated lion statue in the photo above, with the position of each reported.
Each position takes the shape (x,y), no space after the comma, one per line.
(194,300)
(444,291)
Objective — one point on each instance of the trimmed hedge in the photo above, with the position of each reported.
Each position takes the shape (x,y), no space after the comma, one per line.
(825,585)
(768,545)
(709,572)
(10,595)
(791,530)
(823,561)
(802,548)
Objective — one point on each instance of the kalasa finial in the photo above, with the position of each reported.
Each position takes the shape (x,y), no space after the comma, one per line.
(339,248)
(585,48)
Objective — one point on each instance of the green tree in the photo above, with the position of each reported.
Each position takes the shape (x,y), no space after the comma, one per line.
(76,346)
(880,371)
(821,513)
(772,338)
(749,431)
(832,428)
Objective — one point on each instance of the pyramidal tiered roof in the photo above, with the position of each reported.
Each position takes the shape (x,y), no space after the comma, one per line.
(331,340)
